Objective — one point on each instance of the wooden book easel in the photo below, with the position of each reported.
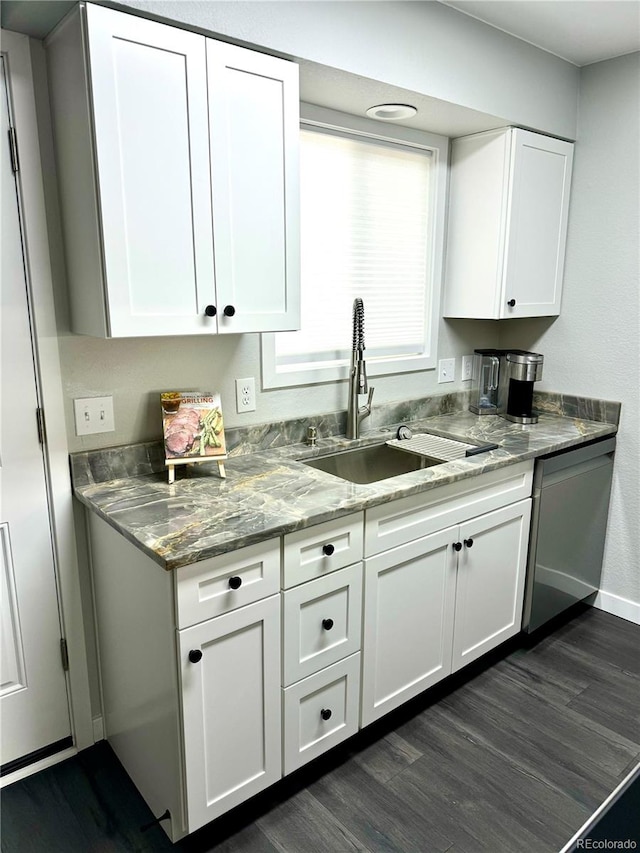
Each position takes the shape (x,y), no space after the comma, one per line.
(172,463)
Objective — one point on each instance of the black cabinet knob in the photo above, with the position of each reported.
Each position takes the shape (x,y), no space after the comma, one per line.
(195,655)
(325,714)
(457,546)
(468,543)
(210,311)
(328,549)
(235,582)
(327,624)
(511,303)
(228,311)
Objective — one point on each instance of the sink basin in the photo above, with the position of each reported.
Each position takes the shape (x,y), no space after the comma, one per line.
(370,464)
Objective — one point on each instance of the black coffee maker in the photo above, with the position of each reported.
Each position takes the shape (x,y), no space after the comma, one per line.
(519,369)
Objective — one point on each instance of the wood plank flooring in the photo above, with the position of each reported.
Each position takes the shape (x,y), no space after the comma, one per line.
(510,756)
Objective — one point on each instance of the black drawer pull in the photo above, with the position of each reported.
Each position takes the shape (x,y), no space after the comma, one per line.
(235,582)
(195,655)
(457,546)
(511,303)
(327,624)
(468,543)
(328,549)
(210,311)
(325,714)
(229,311)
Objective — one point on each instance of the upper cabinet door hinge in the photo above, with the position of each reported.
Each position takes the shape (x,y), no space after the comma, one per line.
(42,431)
(64,654)
(13,148)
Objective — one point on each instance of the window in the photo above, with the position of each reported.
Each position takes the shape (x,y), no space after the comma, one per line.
(371,227)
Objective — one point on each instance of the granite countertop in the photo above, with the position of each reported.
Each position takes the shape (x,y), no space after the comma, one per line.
(271,492)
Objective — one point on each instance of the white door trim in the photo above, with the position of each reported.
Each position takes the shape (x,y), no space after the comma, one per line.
(16,49)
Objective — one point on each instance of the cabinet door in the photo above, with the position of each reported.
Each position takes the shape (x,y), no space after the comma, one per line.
(536,234)
(148,89)
(408,618)
(231,708)
(254,129)
(490,586)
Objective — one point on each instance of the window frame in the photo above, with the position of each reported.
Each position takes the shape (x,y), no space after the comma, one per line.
(318,372)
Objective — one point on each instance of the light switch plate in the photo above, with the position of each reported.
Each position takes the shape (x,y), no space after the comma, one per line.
(94,414)
(446,370)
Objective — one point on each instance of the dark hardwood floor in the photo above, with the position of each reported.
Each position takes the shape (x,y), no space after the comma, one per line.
(513,755)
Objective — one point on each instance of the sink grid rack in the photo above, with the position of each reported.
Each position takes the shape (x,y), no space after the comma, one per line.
(433,446)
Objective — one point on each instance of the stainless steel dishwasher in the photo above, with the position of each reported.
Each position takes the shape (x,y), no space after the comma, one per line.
(570,505)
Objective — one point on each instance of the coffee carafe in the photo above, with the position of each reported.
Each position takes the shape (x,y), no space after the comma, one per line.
(519,369)
(484,393)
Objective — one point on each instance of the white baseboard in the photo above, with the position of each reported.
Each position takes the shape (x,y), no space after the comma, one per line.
(618,606)
(98,729)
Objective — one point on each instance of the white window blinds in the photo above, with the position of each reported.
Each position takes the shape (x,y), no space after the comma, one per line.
(364,233)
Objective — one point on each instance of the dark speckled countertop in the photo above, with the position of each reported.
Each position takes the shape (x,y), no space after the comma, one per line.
(271,492)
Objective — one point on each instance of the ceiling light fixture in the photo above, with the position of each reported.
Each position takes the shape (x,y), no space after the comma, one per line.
(391,112)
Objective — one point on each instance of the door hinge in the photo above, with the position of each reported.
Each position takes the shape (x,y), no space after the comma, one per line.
(13,148)
(42,430)
(64,654)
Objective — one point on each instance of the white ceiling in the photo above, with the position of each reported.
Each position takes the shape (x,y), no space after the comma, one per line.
(580,31)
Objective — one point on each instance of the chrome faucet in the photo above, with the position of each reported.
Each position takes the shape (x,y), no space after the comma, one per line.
(358,375)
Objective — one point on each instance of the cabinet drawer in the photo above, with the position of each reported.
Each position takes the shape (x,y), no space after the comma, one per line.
(320,712)
(322,622)
(401,521)
(316,551)
(220,584)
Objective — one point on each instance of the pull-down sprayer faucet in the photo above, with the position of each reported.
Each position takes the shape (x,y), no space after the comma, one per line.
(357,375)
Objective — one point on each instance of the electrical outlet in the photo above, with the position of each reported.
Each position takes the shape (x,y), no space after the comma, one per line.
(246,394)
(94,414)
(467,367)
(446,370)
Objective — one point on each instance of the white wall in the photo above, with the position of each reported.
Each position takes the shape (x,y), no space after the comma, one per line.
(420,46)
(593,348)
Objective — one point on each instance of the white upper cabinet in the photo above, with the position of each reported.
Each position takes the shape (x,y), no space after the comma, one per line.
(508,210)
(177,160)
(254,130)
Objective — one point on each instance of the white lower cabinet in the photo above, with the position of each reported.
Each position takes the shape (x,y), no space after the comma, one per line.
(490,581)
(215,682)
(435,604)
(230,680)
(320,711)
(408,619)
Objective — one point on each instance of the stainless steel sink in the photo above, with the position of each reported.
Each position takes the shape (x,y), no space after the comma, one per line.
(370,464)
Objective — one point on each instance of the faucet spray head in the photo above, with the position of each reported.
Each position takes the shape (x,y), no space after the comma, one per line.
(358,345)
(358,325)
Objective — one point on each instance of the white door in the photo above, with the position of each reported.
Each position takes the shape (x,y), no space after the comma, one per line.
(490,586)
(254,128)
(231,702)
(408,621)
(149,95)
(33,696)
